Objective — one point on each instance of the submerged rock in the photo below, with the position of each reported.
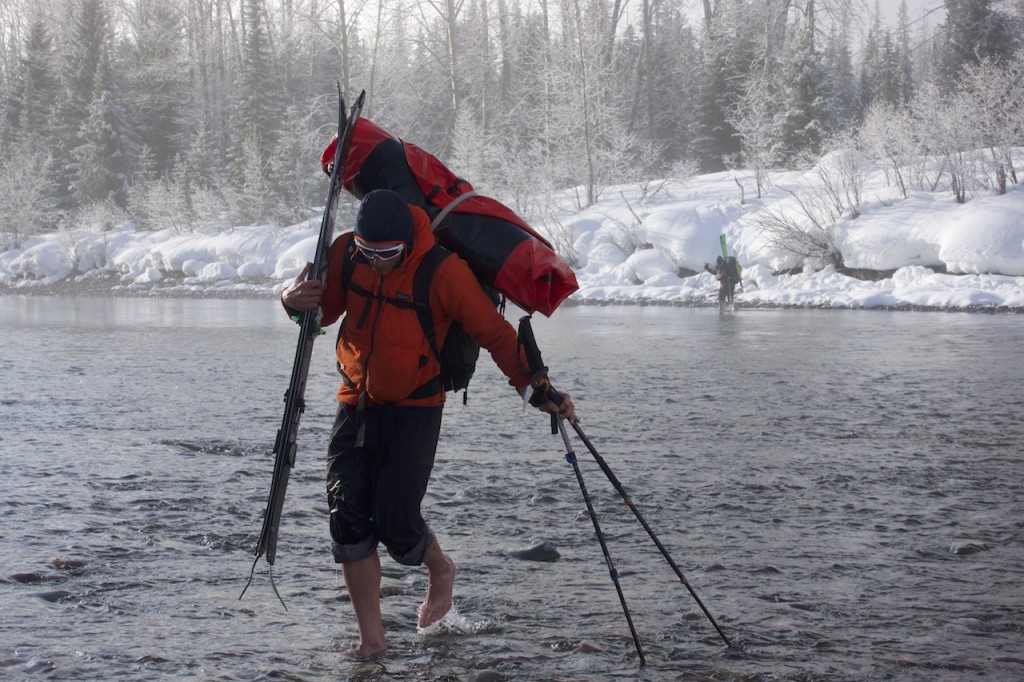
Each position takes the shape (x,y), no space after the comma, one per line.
(69,563)
(35,578)
(966,547)
(488,676)
(541,550)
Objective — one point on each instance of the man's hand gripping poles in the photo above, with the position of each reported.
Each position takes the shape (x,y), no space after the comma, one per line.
(543,392)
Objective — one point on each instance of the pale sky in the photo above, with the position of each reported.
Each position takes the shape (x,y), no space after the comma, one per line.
(915,9)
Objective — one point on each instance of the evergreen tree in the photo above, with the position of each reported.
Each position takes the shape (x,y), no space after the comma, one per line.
(255,120)
(732,49)
(198,161)
(655,64)
(714,137)
(101,161)
(869,68)
(525,129)
(158,82)
(804,77)
(28,166)
(843,103)
(86,47)
(297,183)
(904,67)
(886,83)
(36,89)
(974,31)
(524,122)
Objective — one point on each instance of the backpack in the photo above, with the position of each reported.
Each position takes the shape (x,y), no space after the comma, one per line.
(734,269)
(501,248)
(460,351)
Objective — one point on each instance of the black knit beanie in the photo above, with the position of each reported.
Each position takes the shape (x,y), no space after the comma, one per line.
(384,217)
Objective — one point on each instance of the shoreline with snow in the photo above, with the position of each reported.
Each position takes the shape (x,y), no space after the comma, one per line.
(636,245)
(882,295)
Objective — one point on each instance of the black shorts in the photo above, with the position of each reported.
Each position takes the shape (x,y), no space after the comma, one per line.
(374,490)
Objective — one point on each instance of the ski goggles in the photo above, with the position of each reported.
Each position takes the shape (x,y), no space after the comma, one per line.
(383,254)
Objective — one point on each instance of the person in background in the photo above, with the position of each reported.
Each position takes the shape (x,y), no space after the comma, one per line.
(384,438)
(726,285)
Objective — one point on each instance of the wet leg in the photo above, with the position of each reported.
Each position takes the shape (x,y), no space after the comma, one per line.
(362,578)
(441,574)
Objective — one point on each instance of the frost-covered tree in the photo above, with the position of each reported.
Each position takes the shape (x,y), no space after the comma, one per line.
(473,155)
(887,136)
(28,202)
(587,131)
(101,160)
(757,121)
(997,97)
(948,139)
(252,200)
(296,179)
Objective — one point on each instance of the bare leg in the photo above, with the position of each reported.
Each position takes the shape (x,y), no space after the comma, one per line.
(441,574)
(362,578)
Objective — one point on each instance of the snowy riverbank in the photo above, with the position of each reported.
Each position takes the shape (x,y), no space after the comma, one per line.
(638,245)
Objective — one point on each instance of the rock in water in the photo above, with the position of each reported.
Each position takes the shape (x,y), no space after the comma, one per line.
(542,550)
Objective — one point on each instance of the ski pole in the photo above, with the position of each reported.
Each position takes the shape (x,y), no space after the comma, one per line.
(570,457)
(643,522)
(543,390)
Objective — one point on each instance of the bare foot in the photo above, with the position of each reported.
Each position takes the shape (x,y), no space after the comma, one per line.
(364,652)
(439,594)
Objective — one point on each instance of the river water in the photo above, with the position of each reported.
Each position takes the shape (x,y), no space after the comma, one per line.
(842,490)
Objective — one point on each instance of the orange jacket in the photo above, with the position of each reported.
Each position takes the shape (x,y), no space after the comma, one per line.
(382,347)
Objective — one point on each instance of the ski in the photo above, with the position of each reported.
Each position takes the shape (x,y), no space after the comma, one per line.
(309,329)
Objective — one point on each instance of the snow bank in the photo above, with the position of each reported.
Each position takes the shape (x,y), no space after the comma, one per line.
(637,244)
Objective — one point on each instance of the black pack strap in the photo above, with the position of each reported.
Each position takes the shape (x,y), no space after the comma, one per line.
(421,293)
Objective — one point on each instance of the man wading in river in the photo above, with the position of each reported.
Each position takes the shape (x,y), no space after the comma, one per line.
(385,435)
